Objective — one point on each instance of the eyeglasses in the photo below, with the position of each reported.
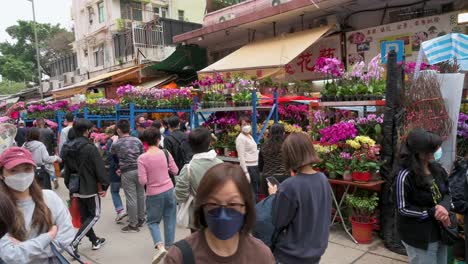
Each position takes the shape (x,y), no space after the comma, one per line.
(236,206)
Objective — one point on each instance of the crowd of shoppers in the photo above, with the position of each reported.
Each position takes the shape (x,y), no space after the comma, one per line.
(157,168)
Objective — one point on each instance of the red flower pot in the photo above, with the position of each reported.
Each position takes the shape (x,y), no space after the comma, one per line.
(362,232)
(232,153)
(362,176)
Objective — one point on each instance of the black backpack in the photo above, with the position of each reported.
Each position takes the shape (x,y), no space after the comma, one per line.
(72,163)
(183,152)
(458,184)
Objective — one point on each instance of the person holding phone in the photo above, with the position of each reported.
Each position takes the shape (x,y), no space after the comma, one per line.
(270,162)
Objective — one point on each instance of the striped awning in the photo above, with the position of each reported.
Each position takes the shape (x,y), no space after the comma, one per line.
(447,47)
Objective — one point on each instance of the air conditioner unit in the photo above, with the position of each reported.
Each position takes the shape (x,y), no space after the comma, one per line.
(54,84)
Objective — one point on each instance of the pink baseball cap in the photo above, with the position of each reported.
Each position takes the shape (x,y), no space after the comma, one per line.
(14,156)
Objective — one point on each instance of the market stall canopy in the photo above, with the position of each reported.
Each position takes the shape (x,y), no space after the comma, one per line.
(158,81)
(188,58)
(81,87)
(269,53)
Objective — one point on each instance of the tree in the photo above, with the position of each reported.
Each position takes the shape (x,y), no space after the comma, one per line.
(17,59)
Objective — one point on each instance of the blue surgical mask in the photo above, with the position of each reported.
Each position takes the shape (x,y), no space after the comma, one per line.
(224,223)
(438,154)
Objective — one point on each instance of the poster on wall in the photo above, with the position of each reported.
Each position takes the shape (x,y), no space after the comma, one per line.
(302,67)
(363,45)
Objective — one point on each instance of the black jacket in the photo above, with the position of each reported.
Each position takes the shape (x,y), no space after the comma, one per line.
(47,137)
(21,136)
(79,154)
(416,207)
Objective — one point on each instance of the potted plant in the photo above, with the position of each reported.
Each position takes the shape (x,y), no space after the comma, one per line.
(242,98)
(362,218)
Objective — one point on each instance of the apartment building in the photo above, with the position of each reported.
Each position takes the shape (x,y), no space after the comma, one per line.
(117,34)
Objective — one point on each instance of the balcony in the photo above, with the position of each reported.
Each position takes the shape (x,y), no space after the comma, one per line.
(150,41)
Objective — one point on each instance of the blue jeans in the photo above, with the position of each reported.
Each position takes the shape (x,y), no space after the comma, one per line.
(436,253)
(115,193)
(162,207)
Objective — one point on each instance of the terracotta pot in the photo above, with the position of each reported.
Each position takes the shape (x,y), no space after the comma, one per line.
(364,176)
(362,232)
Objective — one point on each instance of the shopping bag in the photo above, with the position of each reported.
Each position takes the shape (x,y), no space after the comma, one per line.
(183,214)
(75,212)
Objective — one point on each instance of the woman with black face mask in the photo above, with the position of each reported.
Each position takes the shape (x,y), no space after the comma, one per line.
(423,198)
(225,214)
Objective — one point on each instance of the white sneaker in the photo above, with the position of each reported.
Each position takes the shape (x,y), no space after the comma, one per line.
(120,216)
(160,254)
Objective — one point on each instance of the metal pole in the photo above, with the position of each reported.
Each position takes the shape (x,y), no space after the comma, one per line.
(37,51)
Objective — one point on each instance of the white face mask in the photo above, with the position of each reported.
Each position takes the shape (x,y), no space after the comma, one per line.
(247,128)
(162,130)
(20,182)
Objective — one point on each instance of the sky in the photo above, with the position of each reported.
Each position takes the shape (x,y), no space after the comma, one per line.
(47,11)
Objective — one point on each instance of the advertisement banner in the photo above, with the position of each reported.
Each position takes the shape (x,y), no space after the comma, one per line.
(364,44)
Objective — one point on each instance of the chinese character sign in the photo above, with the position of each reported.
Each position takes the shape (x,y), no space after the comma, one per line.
(363,45)
(302,67)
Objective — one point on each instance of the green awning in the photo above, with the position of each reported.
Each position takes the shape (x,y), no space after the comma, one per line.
(185,59)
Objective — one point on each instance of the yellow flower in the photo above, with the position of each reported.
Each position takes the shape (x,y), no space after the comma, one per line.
(353,143)
(365,140)
(324,149)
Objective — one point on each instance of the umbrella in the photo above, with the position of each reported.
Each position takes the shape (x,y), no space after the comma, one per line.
(447,47)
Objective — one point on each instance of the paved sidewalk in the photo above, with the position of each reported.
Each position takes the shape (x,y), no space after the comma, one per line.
(137,248)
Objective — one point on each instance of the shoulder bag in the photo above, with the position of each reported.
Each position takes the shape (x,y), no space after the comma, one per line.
(183,214)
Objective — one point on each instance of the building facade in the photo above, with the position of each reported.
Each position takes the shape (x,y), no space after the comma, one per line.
(117,34)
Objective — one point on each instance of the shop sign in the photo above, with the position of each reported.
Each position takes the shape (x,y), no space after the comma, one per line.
(397,45)
(302,67)
(366,43)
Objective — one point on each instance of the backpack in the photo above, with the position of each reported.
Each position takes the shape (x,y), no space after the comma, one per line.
(72,163)
(457,183)
(182,150)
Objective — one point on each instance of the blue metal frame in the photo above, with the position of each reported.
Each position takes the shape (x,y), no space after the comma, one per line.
(273,113)
(134,111)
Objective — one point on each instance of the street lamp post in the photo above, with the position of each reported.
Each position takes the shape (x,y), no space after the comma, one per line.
(39,75)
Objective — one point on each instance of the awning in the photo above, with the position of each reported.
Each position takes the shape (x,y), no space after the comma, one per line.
(185,59)
(268,53)
(158,81)
(81,87)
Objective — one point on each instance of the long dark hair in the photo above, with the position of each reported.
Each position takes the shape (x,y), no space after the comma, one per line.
(275,139)
(42,216)
(418,143)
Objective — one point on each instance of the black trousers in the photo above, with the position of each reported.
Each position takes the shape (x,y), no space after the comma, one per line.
(90,210)
(254,180)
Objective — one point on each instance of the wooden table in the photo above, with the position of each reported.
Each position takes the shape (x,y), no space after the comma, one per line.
(372,186)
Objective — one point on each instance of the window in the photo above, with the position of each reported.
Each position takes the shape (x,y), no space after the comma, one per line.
(101,11)
(160,11)
(164,12)
(99,56)
(131,10)
(181,15)
(90,15)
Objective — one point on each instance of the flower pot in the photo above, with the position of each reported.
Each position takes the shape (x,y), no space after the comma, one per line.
(362,232)
(347,176)
(219,151)
(232,153)
(364,176)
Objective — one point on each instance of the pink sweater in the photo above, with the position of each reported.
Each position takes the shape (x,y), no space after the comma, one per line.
(153,172)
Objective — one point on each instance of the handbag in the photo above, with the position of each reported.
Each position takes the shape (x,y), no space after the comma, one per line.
(449,234)
(183,214)
(43,177)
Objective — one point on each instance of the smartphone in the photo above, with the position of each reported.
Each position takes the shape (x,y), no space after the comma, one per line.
(273,181)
